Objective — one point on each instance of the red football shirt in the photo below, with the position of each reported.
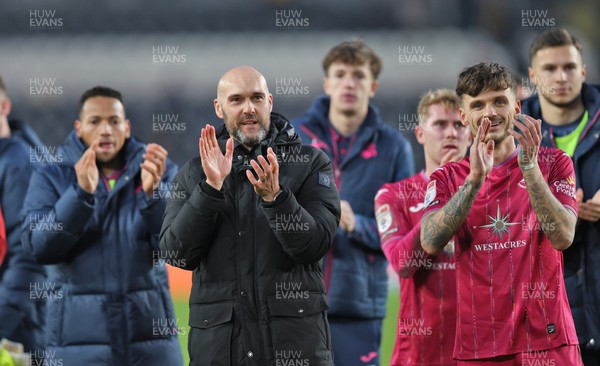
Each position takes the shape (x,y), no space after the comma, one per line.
(427,315)
(510,284)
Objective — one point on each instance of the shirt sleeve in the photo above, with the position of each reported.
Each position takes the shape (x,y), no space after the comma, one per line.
(399,235)
(561,180)
(437,192)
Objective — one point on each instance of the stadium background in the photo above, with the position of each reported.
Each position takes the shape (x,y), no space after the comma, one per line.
(166,58)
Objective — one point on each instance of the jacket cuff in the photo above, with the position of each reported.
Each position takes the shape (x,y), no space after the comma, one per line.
(210,190)
(87,198)
(146,200)
(282,197)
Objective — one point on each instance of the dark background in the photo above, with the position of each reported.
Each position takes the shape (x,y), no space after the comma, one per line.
(77,45)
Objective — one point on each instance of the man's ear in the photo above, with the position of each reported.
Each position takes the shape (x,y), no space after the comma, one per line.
(6,106)
(77,126)
(518,106)
(127,129)
(270,102)
(326,86)
(218,110)
(463,117)
(419,132)
(531,74)
(374,87)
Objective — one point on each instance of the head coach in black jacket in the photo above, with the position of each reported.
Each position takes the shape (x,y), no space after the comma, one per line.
(252,217)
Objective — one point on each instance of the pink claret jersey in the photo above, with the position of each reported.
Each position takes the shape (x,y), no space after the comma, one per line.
(427,315)
(511,293)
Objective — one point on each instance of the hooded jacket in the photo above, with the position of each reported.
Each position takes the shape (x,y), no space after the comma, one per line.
(258,296)
(582,273)
(21,319)
(355,267)
(106,294)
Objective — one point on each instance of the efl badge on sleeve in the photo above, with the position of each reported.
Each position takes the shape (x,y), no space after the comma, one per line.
(384,218)
(430,194)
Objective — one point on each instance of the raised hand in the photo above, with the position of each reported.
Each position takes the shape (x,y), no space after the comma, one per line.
(482,153)
(267,184)
(153,167)
(216,166)
(347,219)
(87,170)
(590,209)
(452,155)
(530,140)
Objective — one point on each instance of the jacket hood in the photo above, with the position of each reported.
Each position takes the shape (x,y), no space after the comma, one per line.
(22,130)
(591,99)
(73,148)
(317,116)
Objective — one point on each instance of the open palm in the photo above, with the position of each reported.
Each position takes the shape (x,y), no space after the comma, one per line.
(215,164)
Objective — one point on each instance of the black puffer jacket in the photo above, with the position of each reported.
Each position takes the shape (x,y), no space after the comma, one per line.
(258,294)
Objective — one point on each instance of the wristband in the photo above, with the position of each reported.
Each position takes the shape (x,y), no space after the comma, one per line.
(528,166)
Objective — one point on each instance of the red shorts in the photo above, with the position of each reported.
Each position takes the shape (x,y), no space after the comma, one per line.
(561,356)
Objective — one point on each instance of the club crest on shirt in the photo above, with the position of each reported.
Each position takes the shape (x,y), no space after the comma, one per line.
(430,193)
(499,225)
(384,218)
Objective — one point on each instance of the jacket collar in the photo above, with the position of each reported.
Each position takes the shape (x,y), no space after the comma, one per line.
(318,122)
(73,148)
(591,133)
(318,128)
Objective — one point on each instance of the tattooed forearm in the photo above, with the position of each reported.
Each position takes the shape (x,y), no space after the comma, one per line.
(557,222)
(438,227)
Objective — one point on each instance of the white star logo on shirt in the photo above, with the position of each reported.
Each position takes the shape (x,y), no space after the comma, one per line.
(499,224)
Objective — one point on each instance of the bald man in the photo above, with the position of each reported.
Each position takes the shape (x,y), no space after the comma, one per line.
(259,211)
